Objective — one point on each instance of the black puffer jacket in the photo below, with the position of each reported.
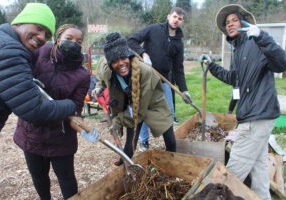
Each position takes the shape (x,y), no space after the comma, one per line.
(18,93)
(253,65)
(166,53)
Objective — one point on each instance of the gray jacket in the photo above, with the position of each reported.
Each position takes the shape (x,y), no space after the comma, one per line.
(252,70)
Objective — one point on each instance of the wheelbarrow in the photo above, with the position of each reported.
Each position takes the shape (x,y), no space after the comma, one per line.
(227,122)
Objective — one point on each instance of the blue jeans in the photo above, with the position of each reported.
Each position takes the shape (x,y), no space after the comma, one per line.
(144,132)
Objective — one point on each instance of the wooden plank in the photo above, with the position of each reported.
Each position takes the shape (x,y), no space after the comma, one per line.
(198,181)
(111,186)
(276,174)
(108,188)
(275,188)
(224,121)
(219,174)
(173,164)
(183,130)
(215,150)
(180,165)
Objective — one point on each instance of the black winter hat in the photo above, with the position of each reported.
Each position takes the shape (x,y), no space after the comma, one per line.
(116,47)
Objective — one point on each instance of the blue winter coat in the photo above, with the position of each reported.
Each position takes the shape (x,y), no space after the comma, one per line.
(18,93)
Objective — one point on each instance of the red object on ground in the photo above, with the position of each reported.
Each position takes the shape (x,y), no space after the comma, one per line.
(103,100)
(87,98)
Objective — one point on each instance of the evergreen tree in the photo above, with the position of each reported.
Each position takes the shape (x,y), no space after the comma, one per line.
(264,8)
(65,11)
(2,16)
(158,12)
(131,6)
(185,4)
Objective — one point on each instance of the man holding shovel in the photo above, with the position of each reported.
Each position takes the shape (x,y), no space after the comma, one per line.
(164,50)
(136,95)
(256,57)
(18,93)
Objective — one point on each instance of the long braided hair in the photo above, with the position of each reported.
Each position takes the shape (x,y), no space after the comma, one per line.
(58,34)
(135,94)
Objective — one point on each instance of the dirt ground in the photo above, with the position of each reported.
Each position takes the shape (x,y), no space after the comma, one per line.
(92,162)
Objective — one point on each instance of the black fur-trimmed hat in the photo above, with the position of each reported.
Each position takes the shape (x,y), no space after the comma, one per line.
(116,47)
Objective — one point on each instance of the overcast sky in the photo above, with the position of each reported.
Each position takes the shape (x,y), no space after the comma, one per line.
(7,2)
(4,3)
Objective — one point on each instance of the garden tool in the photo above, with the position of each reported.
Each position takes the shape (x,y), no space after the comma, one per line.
(170,84)
(134,170)
(204,99)
(103,101)
(215,150)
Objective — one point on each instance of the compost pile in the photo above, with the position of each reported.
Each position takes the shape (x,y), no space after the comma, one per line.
(213,134)
(216,192)
(155,185)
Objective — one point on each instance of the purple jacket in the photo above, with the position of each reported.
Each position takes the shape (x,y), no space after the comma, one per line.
(63,80)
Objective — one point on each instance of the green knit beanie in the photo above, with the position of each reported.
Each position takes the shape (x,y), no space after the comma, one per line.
(36,13)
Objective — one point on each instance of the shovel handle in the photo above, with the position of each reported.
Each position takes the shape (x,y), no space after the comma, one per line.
(204,98)
(77,125)
(117,150)
(168,82)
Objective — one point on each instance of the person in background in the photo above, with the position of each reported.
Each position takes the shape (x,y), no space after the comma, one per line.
(18,93)
(256,56)
(164,50)
(136,95)
(59,68)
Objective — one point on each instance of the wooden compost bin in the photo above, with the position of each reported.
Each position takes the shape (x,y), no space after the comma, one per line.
(110,187)
(219,174)
(215,150)
(198,170)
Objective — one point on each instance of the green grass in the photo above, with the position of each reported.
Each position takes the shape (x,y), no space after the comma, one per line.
(281,86)
(218,94)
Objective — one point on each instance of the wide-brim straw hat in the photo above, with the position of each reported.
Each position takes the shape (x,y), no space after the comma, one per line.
(230,9)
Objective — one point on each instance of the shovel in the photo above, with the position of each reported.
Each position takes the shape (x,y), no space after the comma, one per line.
(205,148)
(134,170)
(169,83)
(102,103)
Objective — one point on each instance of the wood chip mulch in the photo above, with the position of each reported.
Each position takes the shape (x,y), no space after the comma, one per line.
(92,162)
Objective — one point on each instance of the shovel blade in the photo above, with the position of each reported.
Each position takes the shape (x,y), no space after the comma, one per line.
(215,150)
